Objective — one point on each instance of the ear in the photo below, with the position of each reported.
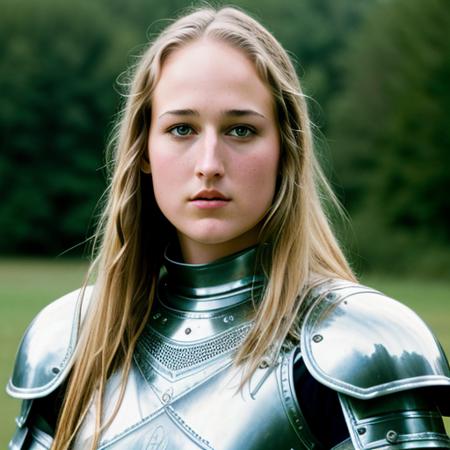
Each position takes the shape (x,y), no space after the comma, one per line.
(145,164)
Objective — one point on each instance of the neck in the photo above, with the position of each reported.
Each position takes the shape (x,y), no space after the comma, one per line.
(194,252)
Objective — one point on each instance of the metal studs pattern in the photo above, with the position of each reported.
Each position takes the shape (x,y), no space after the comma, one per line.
(175,357)
(317,338)
(189,430)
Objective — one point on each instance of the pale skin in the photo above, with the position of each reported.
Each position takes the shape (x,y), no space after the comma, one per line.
(213,149)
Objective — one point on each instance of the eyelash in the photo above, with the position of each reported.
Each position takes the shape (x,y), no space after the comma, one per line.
(249,130)
(181,125)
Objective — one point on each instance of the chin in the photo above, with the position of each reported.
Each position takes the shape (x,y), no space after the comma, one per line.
(223,236)
(213,238)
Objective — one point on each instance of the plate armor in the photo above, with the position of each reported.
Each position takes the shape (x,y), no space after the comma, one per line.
(182,393)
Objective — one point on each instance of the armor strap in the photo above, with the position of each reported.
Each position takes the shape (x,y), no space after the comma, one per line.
(403,420)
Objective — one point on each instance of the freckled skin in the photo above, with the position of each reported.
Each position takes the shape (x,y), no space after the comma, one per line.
(199,142)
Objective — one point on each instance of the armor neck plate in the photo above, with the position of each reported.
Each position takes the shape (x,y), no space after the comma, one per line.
(202,313)
(206,287)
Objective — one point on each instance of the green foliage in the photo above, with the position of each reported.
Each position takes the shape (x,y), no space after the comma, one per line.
(57,71)
(314,32)
(390,130)
(377,71)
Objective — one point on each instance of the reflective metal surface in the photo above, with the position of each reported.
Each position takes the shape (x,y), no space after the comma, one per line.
(362,343)
(30,439)
(405,420)
(18,439)
(204,411)
(182,392)
(46,350)
(206,287)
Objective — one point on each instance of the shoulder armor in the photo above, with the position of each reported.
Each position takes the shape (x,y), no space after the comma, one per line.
(362,343)
(46,351)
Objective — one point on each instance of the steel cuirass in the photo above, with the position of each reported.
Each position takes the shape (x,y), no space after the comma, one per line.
(182,392)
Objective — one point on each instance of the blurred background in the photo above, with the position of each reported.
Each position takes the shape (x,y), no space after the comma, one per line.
(376,73)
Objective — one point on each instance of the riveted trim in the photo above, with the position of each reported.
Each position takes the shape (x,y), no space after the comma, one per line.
(290,403)
(51,338)
(394,430)
(105,443)
(350,341)
(183,426)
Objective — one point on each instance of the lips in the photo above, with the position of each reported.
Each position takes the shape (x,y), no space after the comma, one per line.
(210,195)
(209,199)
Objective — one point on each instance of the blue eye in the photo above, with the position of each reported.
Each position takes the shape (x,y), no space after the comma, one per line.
(241,131)
(181,130)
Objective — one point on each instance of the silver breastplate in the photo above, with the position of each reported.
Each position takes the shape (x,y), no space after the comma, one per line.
(183,390)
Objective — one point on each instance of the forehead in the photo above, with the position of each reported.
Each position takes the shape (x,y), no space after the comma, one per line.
(210,73)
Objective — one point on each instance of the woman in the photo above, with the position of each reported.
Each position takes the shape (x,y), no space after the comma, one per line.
(224,314)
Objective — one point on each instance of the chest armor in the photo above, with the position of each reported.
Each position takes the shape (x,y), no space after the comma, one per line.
(182,392)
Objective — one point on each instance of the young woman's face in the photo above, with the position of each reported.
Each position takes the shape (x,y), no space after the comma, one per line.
(213,149)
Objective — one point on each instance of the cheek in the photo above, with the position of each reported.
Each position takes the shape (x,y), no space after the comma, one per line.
(259,177)
(163,162)
(163,178)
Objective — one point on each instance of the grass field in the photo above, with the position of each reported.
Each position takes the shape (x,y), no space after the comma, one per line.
(27,285)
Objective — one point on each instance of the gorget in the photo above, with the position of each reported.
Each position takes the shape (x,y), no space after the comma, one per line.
(182,392)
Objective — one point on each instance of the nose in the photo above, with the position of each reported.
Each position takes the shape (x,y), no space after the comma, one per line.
(209,159)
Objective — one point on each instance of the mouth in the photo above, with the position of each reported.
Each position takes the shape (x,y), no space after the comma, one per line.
(209,199)
(210,195)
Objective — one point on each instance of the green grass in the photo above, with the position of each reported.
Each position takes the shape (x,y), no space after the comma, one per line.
(27,285)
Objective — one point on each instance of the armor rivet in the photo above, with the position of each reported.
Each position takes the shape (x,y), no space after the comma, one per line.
(392,436)
(317,338)
(227,319)
(331,296)
(187,331)
(164,320)
(55,369)
(156,316)
(361,430)
(166,397)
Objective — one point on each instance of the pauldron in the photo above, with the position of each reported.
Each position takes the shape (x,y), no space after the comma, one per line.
(183,391)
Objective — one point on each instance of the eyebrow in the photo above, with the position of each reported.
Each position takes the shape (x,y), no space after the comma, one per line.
(227,113)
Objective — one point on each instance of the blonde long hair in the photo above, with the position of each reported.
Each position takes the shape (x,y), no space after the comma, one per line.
(132,232)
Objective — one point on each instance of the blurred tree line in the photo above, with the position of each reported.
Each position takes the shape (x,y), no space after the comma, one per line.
(376,72)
